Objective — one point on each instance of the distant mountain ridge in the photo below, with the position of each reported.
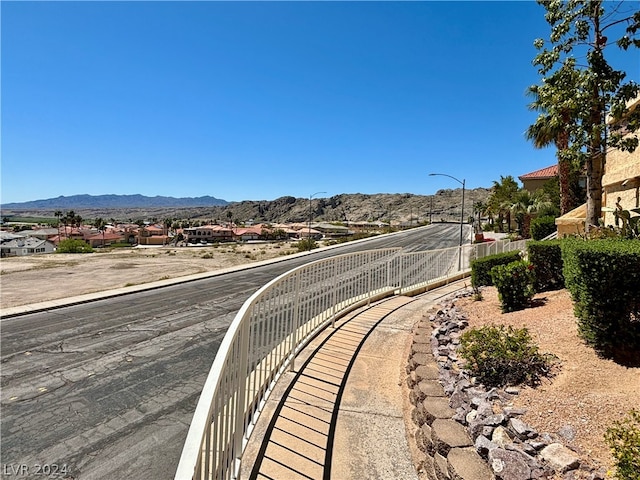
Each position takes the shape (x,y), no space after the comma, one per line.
(77,202)
(345,207)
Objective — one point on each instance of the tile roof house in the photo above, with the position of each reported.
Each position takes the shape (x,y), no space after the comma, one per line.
(532,181)
(247,233)
(153,235)
(25,246)
(99,239)
(208,234)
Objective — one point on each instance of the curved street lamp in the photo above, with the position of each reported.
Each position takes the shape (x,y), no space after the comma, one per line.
(461,182)
(310,214)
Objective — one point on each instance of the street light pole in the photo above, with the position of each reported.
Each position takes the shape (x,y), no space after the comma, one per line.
(461,182)
(310,214)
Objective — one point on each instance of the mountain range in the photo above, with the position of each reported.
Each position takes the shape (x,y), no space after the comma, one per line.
(79,202)
(350,207)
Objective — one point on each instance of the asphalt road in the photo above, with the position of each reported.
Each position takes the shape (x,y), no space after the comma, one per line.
(107,389)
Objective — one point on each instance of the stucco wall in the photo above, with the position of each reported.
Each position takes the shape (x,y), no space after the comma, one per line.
(621,167)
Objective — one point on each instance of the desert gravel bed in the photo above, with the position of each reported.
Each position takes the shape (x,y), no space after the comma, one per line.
(588,393)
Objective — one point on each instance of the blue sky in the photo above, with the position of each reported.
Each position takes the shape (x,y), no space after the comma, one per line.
(256,100)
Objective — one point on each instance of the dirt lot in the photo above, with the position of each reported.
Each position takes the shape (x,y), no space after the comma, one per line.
(37,278)
(588,393)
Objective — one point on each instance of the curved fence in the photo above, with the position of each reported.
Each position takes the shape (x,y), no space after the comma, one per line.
(276,323)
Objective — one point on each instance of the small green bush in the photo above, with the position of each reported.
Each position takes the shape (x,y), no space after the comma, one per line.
(306,244)
(546,258)
(515,285)
(499,356)
(74,246)
(481,267)
(624,440)
(542,227)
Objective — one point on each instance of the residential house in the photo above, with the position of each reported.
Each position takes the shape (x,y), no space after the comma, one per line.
(533,181)
(331,230)
(25,246)
(100,239)
(153,235)
(621,180)
(247,233)
(43,233)
(208,234)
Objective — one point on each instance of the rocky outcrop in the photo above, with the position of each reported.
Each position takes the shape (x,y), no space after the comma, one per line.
(467,431)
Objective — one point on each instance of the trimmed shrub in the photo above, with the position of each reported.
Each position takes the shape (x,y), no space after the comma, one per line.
(624,440)
(481,267)
(541,227)
(499,356)
(515,285)
(603,277)
(74,246)
(546,258)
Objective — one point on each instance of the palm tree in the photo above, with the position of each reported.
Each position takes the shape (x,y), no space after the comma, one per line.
(100,224)
(553,126)
(68,219)
(479,208)
(525,206)
(58,215)
(501,199)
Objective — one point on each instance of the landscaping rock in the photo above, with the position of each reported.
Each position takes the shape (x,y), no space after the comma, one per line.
(466,464)
(448,434)
(460,422)
(560,458)
(508,465)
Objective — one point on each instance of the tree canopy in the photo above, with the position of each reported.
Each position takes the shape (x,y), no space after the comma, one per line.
(583,101)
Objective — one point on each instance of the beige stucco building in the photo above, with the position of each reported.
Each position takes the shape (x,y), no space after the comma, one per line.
(621,179)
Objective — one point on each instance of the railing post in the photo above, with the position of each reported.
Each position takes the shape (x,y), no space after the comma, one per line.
(369,275)
(335,293)
(401,273)
(296,322)
(241,394)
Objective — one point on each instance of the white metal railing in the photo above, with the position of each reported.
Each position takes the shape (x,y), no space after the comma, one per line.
(277,321)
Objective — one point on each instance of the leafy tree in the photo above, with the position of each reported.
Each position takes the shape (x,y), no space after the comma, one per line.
(71,245)
(582,97)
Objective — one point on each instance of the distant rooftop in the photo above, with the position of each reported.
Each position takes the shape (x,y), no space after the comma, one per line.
(542,174)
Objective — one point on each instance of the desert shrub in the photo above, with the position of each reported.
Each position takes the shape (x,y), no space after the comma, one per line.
(71,245)
(541,227)
(546,258)
(481,267)
(603,277)
(499,356)
(306,244)
(624,440)
(514,283)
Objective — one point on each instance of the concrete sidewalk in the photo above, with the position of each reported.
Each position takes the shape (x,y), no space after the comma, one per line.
(340,415)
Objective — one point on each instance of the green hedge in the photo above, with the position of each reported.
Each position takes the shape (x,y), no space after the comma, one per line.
(546,258)
(541,227)
(481,267)
(603,277)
